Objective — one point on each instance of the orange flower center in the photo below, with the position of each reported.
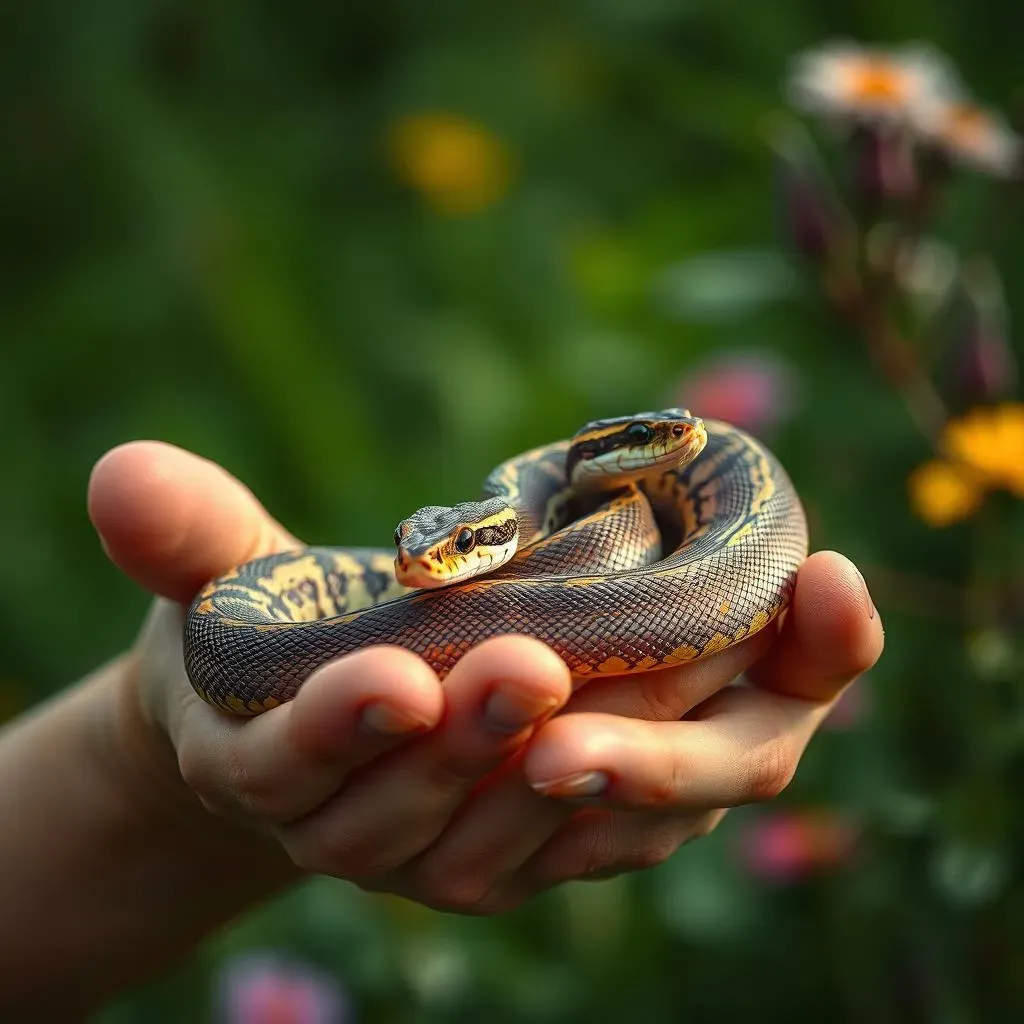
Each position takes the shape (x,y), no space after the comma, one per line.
(877,81)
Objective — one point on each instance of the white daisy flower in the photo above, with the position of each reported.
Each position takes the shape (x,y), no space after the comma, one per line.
(844,79)
(972,135)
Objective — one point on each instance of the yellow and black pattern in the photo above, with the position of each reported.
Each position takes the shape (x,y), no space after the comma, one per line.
(730,524)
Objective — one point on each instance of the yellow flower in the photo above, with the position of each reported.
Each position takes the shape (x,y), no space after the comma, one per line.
(874,84)
(990,441)
(972,135)
(983,450)
(941,493)
(455,164)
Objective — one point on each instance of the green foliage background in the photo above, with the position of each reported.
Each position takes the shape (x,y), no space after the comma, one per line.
(206,243)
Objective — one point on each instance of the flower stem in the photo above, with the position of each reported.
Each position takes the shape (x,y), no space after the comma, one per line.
(893,355)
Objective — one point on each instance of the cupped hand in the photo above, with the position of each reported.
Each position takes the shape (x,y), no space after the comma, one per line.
(473,795)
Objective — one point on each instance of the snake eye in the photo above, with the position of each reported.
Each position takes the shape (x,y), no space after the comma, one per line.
(639,432)
(398,536)
(464,540)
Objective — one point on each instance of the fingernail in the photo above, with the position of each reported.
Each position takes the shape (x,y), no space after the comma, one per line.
(510,709)
(382,719)
(867,596)
(581,786)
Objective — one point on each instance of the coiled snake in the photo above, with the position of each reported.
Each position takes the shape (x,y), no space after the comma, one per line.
(644,541)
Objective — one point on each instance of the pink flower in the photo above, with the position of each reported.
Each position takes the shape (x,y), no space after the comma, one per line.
(751,390)
(791,845)
(267,989)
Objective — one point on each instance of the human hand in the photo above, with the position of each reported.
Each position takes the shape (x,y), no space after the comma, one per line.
(378,774)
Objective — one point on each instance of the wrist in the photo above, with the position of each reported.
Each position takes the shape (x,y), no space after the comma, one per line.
(132,870)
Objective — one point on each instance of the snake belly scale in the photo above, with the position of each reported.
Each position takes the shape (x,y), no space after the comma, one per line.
(733,536)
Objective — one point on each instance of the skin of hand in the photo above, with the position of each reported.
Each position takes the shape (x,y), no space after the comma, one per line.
(471,796)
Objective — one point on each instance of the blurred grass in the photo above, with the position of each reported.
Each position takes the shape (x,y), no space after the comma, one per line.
(207,243)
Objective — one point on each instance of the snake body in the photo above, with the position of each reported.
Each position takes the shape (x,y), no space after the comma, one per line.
(732,533)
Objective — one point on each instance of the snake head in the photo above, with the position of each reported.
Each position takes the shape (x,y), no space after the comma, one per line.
(439,545)
(609,453)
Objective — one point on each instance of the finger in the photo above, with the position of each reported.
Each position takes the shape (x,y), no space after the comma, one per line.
(831,635)
(476,864)
(593,844)
(508,822)
(172,520)
(286,762)
(496,696)
(744,749)
(598,844)
(668,694)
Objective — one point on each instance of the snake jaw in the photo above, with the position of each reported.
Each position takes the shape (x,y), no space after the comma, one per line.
(608,453)
(424,572)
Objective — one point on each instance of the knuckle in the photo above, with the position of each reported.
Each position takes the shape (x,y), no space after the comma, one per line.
(704,824)
(456,775)
(582,852)
(343,853)
(257,794)
(651,853)
(196,770)
(677,780)
(770,770)
(467,904)
(660,693)
(462,897)
(313,862)
(220,780)
(333,858)
(455,891)
(226,785)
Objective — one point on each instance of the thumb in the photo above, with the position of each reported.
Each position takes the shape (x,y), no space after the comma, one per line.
(172,521)
(831,634)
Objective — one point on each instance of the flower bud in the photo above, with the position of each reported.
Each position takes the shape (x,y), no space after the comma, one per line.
(987,367)
(811,219)
(883,168)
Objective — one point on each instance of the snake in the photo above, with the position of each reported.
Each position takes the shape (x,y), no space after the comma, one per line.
(640,542)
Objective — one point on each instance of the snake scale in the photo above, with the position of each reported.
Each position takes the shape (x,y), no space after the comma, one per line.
(608,597)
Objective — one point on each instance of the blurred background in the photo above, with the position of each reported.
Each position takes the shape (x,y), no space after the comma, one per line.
(359,257)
